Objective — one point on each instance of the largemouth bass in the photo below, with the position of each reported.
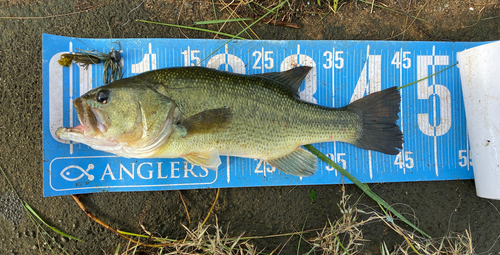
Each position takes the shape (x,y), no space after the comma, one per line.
(199,114)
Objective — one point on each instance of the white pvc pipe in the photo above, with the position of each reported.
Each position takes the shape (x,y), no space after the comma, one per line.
(480,76)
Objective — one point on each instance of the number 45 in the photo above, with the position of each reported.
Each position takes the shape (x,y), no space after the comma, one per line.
(408,159)
(401,58)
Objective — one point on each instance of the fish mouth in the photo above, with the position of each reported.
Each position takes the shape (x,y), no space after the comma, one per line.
(91,123)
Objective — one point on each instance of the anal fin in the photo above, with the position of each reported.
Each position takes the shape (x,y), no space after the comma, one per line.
(209,159)
(300,162)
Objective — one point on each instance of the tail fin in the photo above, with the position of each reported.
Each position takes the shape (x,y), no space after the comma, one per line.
(379,113)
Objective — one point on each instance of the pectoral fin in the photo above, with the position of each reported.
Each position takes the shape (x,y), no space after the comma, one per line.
(300,162)
(209,159)
(207,121)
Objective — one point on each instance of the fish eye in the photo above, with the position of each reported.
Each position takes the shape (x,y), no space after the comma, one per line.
(102,96)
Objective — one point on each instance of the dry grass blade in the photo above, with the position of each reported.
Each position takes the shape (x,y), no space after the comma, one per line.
(279,22)
(365,188)
(207,22)
(453,243)
(234,14)
(193,28)
(185,206)
(242,31)
(54,16)
(210,239)
(345,235)
(195,241)
(389,9)
(116,232)
(212,208)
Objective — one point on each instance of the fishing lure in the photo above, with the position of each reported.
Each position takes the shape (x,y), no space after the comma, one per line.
(111,61)
(84,59)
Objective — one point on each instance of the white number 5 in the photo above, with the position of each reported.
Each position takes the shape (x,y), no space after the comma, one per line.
(425,92)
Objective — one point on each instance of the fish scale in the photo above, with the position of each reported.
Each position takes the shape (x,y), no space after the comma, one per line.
(267,120)
(199,114)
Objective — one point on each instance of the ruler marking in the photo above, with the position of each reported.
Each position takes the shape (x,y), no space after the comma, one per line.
(368,91)
(403,155)
(434,108)
(71,97)
(228,173)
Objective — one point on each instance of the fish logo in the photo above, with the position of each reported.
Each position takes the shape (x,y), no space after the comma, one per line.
(65,173)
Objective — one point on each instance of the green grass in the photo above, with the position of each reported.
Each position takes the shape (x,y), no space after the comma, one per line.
(217,240)
(194,28)
(392,10)
(208,22)
(362,186)
(37,220)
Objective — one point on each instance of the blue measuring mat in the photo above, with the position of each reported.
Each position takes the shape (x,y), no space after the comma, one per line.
(432,114)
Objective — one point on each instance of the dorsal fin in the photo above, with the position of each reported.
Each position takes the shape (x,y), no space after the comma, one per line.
(291,79)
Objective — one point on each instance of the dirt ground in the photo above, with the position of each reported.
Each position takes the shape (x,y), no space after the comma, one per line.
(439,206)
